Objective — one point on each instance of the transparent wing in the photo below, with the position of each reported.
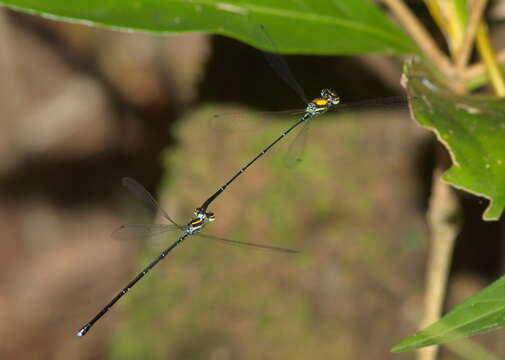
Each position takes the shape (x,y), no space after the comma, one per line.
(294,154)
(236,121)
(247,244)
(296,149)
(139,191)
(140,231)
(232,121)
(278,63)
(373,104)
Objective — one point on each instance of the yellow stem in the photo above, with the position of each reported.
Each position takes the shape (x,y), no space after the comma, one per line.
(447,15)
(476,11)
(487,54)
(457,15)
(477,70)
(436,13)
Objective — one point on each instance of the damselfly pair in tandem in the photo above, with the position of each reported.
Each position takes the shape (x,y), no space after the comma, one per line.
(328,101)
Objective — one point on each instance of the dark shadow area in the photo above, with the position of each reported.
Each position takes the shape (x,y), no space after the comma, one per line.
(69,183)
(424,164)
(418,7)
(479,246)
(74,183)
(239,73)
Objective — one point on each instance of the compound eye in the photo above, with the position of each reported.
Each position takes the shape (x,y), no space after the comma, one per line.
(332,97)
(328,94)
(211,217)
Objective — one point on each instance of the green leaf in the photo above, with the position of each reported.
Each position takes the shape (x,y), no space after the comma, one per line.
(473,131)
(310,27)
(478,314)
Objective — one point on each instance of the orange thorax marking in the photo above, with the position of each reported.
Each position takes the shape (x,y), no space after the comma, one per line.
(320,102)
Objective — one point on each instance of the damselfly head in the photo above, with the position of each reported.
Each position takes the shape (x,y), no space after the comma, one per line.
(204,215)
(322,104)
(200,213)
(331,96)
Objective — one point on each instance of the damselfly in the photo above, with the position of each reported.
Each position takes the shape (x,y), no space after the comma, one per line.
(193,227)
(327,102)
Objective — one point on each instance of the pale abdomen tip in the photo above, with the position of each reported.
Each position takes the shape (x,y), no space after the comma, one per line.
(83,330)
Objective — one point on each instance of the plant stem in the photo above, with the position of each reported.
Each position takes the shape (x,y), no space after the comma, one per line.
(420,36)
(436,13)
(480,77)
(479,70)
(441,215)
(486,52)
(450,17)
(464,52)
(459,17)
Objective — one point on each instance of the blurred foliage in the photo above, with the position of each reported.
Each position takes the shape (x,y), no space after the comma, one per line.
(471,128)
(481,313)
(321,27)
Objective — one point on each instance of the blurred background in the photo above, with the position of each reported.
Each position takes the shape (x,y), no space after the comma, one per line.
(82,107)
